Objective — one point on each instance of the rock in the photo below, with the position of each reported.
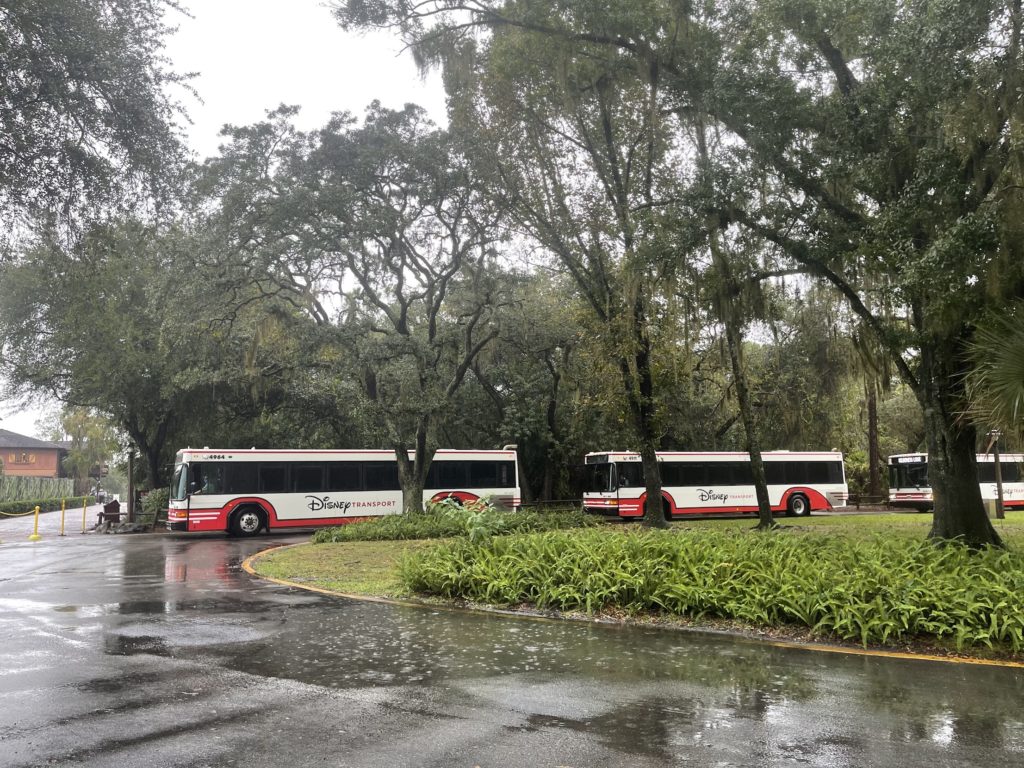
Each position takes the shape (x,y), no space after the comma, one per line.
(133,528)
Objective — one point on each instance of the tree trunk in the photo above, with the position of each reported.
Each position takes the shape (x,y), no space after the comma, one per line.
(765,520)
(953,475)
(151,455)
(1000,509)
(654,511)
(952,467)
(153,464)
(131,484)
(552,438)
(734,340)
(874,457)
(412,495)
(547,488)
(640,397)
(412,475)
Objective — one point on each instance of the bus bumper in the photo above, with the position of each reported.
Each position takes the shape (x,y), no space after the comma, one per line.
(606,511)
(177,525)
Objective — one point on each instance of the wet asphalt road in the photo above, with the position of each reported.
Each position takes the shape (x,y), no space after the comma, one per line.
(158,650)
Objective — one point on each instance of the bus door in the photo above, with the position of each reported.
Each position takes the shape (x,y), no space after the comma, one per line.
(180,498)
(601,492)
(629,487)
(609,484)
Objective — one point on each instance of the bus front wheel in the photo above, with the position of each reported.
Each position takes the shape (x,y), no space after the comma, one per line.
(247,522)
(798,505)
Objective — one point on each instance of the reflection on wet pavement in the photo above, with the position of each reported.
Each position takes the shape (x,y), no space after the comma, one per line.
(174,627)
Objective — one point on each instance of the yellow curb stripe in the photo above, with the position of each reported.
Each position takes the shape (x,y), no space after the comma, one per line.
(248,568)
(896,654)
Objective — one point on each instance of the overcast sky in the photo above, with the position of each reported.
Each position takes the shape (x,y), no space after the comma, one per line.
(252,55)
(249,56)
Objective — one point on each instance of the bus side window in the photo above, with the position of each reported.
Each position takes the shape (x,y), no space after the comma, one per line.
(344,476)
(196,479)
(241,477)
(742,473)
(273,478)
(719,473)
(451,475)
(693,474)
(381,476)
(213,478)
(505,473)
(483,474)
(629,475)
(307,478)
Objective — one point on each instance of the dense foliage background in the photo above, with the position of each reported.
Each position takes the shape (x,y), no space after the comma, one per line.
(729,225)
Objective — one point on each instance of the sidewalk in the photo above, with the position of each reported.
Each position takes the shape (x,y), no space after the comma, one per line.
(15,528)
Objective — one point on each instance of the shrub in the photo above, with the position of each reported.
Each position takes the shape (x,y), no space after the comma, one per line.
(390,527)
(155,503)
(45,505)
(476,520)
(868,591)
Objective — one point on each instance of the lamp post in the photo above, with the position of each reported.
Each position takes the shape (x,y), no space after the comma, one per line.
(131,483)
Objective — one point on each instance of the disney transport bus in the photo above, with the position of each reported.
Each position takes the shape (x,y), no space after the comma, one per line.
(908,480)
(247,491)
(716,482)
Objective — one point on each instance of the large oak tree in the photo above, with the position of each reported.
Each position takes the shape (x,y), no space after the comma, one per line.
(379,235)
(880,138)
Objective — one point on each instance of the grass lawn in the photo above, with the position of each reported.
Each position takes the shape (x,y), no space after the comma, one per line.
(903,524)
(356,567)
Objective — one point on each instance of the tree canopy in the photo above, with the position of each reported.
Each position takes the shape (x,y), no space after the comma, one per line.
(385,221)
(873,146)
(647,225)
(86,120)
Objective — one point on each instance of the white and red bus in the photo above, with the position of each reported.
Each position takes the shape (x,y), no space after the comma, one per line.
(716,482)
(908,480)
(247,491)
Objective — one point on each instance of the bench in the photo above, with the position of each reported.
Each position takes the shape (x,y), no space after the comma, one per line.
(111,513)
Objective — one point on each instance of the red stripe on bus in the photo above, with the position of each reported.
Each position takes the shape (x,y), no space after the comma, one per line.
(309,522)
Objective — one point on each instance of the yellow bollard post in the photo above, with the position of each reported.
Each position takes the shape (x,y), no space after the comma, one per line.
(85,503)
(35,531)
(63,505)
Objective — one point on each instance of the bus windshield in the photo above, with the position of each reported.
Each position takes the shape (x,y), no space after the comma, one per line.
(908,475)
(600,478)
(179,483)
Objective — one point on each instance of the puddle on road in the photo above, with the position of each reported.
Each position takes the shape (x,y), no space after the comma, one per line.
(187,633)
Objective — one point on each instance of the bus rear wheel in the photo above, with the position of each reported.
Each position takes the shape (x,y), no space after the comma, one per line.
(798,505)
(247,521)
